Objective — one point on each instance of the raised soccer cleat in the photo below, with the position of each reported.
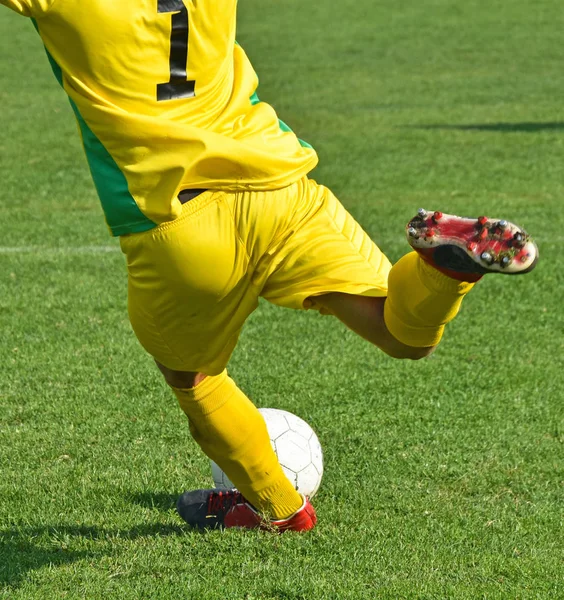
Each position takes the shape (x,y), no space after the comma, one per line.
(466,248)
(222,508)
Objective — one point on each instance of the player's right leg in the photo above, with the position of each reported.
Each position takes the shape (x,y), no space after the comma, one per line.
(231,431)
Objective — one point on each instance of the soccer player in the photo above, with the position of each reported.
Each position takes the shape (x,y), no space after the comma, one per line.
(210,195)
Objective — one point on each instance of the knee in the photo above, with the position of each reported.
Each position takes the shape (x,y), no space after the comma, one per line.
(180,379)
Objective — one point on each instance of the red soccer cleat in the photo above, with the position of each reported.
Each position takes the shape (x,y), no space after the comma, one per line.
(466,249)
(223,508)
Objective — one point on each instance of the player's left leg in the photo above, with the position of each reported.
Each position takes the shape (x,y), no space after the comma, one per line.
(426,287)
(330,264)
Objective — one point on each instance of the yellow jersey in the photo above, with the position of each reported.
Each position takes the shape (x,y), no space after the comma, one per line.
(165,100)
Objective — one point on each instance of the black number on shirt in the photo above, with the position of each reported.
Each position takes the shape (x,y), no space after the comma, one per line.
(179,86)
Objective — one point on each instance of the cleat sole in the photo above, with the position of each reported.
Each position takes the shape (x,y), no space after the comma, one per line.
(476,246)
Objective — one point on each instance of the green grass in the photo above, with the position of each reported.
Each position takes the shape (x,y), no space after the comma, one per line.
(444,478)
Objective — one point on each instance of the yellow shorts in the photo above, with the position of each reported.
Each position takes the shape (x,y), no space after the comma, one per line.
(194,281)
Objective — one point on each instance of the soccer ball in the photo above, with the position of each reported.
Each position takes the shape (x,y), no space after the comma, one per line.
(297,447)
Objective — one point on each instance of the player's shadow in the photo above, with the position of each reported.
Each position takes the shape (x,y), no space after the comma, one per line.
(25,549)
(524,127)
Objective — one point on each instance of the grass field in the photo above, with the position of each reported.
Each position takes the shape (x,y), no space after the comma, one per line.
(444,478)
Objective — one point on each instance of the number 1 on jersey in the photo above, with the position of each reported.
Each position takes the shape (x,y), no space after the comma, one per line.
(179,86)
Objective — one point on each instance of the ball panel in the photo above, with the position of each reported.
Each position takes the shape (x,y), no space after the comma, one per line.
(276,423)
(316,454)
(299,426)
(308,480)
(293,451)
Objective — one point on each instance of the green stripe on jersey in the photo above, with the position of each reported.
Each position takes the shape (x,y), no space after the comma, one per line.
(255,100)
(121,211)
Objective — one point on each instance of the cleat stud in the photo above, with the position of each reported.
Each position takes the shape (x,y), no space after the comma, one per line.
(482,220)
(483,234)
(437,216)
(412,232)
(486,257)
(502,224)
(518,240)
(505,261)
(471,246)
(430,233)
(422,213)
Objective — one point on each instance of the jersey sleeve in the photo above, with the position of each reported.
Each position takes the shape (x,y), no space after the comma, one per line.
(29,8)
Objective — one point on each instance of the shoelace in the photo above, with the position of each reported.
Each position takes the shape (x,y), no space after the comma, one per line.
(220,501)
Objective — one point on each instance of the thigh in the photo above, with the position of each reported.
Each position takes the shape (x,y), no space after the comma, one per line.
(189,286)
(328,251)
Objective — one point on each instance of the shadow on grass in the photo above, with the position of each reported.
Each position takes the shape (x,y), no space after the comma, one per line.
(24,549)
(525,127)
(160,500)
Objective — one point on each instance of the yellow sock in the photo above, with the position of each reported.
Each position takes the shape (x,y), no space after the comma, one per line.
(231,431)
(421,300)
